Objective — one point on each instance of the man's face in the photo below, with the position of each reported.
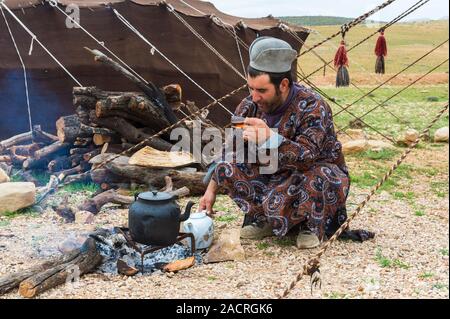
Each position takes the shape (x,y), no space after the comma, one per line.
(264,93)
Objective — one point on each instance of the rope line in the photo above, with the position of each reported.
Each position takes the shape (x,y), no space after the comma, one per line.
(102,43)
(400,91)
(34,38)
(312,265)
(24,70)
(394,76)
(132,28)
(348,26)
(295,36)
(387,25)
(202,39)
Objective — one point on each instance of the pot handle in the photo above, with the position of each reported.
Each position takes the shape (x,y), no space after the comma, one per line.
(136,196)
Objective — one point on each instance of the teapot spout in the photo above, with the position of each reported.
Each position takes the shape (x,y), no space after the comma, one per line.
(187,211)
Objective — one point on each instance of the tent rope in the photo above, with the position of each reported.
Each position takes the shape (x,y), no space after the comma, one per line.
(102,43)
(398,92)
(394,76)
(134,30)
(311,267)
(387,25)
(349,25)
(24,70)
(296,37)
(202,39)
(34,37)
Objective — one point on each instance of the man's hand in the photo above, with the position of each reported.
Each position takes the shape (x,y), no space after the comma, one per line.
(208,199)
(256,130)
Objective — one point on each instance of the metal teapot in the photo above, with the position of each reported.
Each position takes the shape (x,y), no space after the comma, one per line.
(154,218)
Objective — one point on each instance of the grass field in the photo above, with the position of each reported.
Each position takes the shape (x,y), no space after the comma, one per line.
(406,42)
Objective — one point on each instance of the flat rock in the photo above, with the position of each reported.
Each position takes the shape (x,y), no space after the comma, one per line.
(375,145)
(356,146)
(226,247)
(16,195)
(441,135)
(4,178)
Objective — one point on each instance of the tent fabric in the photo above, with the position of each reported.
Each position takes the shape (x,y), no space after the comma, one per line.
(51,88)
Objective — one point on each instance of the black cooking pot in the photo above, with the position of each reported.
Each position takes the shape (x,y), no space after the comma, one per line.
(154,218)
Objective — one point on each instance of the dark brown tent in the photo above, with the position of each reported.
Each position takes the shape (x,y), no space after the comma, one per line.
(50,88)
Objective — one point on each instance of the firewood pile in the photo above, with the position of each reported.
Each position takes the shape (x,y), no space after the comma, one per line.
(107,123)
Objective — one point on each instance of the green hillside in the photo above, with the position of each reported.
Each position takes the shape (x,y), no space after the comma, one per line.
(318,20)
(406,42)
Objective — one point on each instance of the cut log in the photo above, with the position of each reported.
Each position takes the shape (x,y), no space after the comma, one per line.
(100,139)
(135,108)
(70,127)
(153,177)
(87,260)
(17,139)
(25,150)
(84,101)
(132,134)
(87,156)
(32,163)
(11,281)
(149,89)
(83,141)
(94,204)
(102,175)
(40,136)
(113,148)
(78,178)
(83,114)
(81,150)
(5,158)
(18,160)
(60,163)
(83,167)
(55,149)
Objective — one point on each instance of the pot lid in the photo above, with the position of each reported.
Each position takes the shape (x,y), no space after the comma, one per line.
(155,196)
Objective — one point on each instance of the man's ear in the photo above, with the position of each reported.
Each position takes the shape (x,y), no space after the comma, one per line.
(284,85)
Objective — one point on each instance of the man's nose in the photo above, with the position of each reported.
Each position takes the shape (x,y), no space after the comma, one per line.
(256,97)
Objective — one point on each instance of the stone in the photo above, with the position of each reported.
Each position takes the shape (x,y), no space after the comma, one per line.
(84,217)
(351,135)
(4,178)
(356,146)
(441,135)
(72,242)
(411,135)
(16,195)
(227,247)
(409,138)
(375,145)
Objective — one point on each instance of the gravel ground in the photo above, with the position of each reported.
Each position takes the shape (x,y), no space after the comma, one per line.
(407,259)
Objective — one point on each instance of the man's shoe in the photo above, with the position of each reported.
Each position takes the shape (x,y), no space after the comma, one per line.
(307,240)
(255,232)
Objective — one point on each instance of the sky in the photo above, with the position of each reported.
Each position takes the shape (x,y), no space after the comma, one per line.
(434,9)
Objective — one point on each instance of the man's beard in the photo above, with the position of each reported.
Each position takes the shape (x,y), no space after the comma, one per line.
(272,105)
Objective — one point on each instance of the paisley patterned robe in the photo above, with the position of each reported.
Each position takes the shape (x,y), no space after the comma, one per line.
(312,182)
